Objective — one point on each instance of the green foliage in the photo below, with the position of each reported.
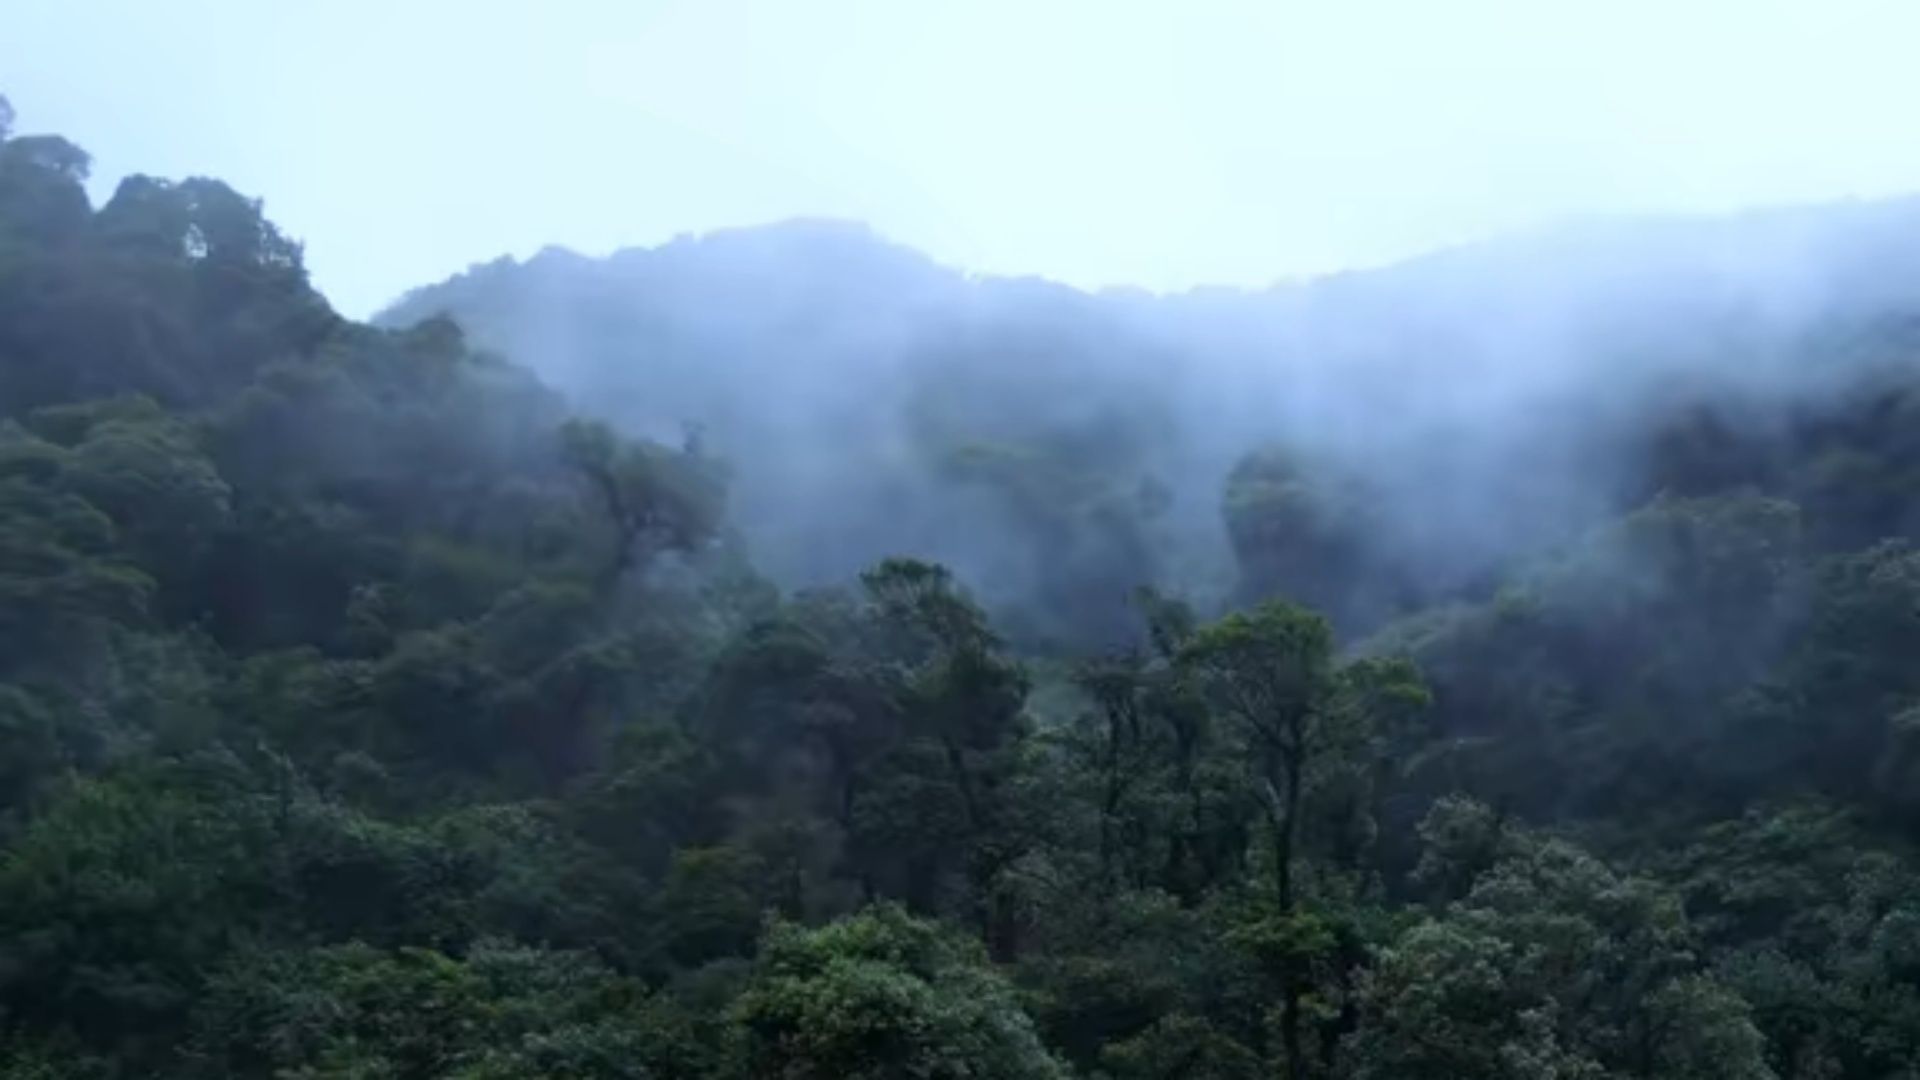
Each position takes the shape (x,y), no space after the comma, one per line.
(362,713)
(499,1011)
(1551,965)
(1178,1047)
(879,995)
(651,501)
(63,578)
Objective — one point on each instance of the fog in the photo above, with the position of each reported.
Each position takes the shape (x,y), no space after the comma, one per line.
(1442,420)
(1020,317)
(1152,143)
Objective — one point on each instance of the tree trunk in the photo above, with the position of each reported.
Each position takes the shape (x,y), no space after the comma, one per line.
(982,873)
(1110,801)
(1284,810)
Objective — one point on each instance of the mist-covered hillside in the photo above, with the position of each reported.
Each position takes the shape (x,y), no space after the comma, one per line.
(1459,410)
(775,657)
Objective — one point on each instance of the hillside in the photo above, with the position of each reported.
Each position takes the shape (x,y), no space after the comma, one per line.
(860,392)
(1496,667)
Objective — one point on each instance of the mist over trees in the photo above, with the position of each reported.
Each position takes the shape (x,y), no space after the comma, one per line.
(1432,423)
(775,655)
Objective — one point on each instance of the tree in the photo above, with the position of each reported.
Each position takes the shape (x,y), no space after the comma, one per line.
(650,502)
(64,578)
(42,197)
(1811,919)
(1550,965)
(961,695)
(500,1011)
(1181,1047)
(1169,805)
(881,995)
(1120,744)
(1271,673)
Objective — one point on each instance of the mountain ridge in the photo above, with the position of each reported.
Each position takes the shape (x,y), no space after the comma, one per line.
(1591,230)
(810,354)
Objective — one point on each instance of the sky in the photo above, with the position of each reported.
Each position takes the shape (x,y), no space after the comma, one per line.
(1124,142)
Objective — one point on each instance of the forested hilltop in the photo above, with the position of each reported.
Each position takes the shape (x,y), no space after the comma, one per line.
(1497,666)
(1380,441)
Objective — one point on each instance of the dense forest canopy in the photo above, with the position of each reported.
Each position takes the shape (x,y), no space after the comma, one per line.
(773,655)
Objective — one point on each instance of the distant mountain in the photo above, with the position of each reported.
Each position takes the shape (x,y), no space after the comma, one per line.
(841,374)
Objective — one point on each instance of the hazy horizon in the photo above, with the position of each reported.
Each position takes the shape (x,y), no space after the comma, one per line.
(1161,146)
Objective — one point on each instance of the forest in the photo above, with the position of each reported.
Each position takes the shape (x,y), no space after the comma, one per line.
(774,655)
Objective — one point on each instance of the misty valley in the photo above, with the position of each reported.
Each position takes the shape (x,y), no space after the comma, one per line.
(776,654)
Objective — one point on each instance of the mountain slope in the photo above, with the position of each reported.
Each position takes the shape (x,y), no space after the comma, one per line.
(846,380)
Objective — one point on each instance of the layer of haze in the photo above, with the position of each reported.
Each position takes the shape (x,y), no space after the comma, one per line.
(1155,144)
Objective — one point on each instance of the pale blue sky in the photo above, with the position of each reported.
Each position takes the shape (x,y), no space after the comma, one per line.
(1148,143)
